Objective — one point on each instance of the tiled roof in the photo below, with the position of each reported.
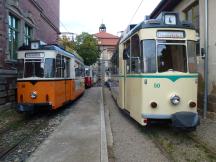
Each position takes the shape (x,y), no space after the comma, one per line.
(109,42)
(105,35)
(106,39)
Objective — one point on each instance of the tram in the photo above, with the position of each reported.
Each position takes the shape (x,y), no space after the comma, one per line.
(154,74)
(88,77)
(48,77)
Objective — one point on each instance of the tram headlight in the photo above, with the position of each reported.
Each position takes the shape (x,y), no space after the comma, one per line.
(175,100)
(34,95)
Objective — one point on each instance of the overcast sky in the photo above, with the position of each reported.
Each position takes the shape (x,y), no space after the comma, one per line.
(79,16)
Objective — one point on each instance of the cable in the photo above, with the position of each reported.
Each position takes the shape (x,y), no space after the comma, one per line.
(61,24)
(135,12)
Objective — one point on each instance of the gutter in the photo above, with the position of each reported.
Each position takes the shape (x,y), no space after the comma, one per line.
(206,61)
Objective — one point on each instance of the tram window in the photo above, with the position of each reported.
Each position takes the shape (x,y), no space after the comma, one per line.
(192,62)
(135,54)
(87,72)
(172,57)
(34,68)
(58,66)
(149,56)
(127,48)
(49,69)
(20,67)
(62,67)
(67,67)
(83,71)
(77,69)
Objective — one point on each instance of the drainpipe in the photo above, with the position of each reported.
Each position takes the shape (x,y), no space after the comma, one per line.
(206,61)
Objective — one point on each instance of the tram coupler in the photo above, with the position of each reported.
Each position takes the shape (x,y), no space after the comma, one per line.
(185,120)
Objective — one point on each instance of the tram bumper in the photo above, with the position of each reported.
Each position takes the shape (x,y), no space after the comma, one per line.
(32,107)
(185,120)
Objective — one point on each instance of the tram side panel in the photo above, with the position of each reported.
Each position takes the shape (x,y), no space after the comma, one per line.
(60,93)
(79,87)
(133,98)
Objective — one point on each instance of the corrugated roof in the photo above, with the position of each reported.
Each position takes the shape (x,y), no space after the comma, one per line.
(164,5)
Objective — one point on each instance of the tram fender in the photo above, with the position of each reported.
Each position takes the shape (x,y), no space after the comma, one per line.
(185,120)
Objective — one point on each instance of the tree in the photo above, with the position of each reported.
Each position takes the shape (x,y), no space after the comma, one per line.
(68,45)
(86,47)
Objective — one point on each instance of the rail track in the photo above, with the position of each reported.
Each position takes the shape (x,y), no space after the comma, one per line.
(37,125)
(20,138)
(172,143)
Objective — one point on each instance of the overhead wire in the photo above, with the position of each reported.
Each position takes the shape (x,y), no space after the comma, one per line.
(55,15)
(135,12)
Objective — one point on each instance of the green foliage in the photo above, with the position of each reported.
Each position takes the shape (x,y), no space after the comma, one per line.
(86,47)
(68,45)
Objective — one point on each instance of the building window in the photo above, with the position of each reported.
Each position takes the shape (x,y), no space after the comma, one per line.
(27,34)
(13,36)
(192,15)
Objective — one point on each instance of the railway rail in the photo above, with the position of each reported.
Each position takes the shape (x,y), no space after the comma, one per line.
(37,124)
(172,143)
(21,139)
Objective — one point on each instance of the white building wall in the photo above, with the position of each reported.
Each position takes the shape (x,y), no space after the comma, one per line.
(212,45)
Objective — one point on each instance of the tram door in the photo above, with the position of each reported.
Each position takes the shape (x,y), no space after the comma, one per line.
(132,56)
(68,83)
(122,74)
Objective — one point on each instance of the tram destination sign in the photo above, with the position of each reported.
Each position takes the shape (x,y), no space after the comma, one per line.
(170,34)
(34,55)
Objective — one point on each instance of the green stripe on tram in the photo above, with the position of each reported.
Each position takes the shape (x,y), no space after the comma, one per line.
(170,77)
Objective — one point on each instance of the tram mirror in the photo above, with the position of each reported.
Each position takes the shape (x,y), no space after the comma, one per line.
(63,65)
(126,54)
(203,52)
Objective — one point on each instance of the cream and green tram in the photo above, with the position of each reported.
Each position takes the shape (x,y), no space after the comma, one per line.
(154,72)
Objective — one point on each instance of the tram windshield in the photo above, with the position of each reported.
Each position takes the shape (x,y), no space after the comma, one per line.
(34,68)
(87,72)
(171,57)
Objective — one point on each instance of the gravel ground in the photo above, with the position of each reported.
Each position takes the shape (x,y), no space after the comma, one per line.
(130,143)
(206,132)
(36,127)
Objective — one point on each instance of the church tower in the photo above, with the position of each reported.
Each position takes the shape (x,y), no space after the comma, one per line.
(102,28)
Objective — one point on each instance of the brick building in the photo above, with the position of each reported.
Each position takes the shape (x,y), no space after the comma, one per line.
(195,12)
(107,44)
(20,22)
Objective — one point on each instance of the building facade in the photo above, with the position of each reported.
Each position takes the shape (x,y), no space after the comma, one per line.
(107,44)
(20,22)
(194,11)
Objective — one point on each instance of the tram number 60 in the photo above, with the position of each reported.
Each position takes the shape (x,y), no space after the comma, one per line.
(156,85)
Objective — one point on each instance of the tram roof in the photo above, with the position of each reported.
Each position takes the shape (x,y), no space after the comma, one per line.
(52,47)
(157,23)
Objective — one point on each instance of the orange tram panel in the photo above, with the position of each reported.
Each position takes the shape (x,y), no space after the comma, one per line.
(54,93)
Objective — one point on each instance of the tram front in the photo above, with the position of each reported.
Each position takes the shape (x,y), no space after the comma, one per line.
(160,76)
(171,77)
